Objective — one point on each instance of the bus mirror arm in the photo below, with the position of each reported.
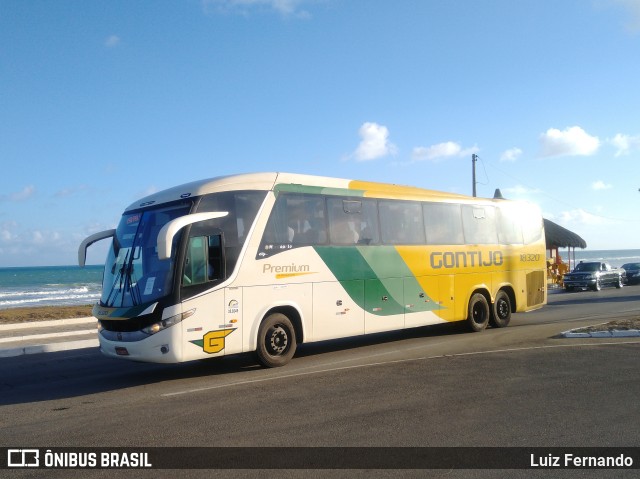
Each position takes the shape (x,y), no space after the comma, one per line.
(82,249)
(168,231)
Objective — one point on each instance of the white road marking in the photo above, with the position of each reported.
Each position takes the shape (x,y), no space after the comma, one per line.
(382,363)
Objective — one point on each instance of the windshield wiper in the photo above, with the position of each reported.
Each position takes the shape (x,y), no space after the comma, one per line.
(114,292)
(123,282)
(127,272)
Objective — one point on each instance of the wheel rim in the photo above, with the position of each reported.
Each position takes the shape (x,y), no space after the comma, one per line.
(277,340)
(502,309)
(479,313)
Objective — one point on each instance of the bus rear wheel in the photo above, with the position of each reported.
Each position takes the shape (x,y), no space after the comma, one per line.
(501,311)
(478,312)
(276,341)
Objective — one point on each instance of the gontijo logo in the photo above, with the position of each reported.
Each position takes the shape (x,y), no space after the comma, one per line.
(213,341)
(464,259)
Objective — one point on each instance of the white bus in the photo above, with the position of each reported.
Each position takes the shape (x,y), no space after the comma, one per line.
(263,262)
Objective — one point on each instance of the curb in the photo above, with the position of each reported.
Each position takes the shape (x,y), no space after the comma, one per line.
(62,334)
(624,333)
(51,347)
(48,323)
(48,348)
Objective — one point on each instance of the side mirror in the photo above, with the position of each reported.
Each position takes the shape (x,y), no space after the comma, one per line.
(82,250)
(168,231)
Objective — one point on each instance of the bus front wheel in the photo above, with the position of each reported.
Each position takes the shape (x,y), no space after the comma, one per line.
(276,341)
(478,313)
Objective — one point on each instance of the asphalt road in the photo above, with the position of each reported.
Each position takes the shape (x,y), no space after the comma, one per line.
(521,386)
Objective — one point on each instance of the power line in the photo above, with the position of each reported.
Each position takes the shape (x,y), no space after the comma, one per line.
(557,200)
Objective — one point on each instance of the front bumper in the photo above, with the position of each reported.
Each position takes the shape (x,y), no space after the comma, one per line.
(579,283)
(162,347)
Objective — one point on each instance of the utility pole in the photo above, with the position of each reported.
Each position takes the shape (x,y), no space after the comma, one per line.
(474,159)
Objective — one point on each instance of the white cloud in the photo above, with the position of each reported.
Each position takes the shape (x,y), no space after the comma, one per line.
(580,216)
(37,237)
(112,41)
(66,192)
(573,141)
(511,154)
(26,193)
(441,151)
(520,190)
(632,8)
(625,143)
(284,7)
(375,142)
(600,185)
(6,236)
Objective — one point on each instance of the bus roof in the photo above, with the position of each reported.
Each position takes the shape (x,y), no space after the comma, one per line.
(268,181)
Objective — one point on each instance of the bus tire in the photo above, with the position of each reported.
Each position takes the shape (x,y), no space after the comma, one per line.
(501,310)
(276,341)
(478,312)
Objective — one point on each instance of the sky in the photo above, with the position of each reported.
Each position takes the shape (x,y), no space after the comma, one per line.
(104,102)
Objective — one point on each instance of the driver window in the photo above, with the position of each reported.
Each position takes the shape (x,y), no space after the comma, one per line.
(203,262)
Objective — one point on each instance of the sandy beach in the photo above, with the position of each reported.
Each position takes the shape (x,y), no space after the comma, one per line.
(43,313)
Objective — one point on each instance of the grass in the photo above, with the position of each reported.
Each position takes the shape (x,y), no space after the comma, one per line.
(614,325)
(43,313)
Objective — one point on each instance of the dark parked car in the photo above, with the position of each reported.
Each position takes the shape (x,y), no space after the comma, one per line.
(594,275)
(633,272)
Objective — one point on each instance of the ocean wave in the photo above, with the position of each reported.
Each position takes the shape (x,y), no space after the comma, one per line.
(52,293)
(17,297)
(49,286)
(62,300)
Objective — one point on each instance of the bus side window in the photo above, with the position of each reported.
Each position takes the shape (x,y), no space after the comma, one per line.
(509,224)
(343,216)
(204,262)
(369,231)
(401,222)
(306,220)
(296,220)
(479,224)
(443,222)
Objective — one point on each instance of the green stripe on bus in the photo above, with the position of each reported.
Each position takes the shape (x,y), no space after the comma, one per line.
(388,265)
(387,279)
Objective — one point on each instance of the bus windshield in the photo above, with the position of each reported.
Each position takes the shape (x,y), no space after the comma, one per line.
(133,274)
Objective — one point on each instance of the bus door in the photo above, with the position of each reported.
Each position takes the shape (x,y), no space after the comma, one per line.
(211,317)
(215,327)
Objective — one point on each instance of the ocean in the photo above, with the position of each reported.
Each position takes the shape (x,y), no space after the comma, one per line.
(72,285)
(50,286)
(616,257)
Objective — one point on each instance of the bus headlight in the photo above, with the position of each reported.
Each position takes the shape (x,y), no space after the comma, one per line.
(167,323)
